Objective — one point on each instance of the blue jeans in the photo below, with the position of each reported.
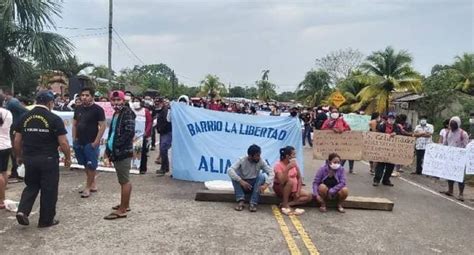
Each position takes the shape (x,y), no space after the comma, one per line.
(256,183)
(307,135)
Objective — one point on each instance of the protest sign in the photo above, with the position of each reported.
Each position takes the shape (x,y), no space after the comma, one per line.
(380,147)
(108,109)
(348,145)
(208,142)
(445,162)
(357,122)
(470,158)
(104,164)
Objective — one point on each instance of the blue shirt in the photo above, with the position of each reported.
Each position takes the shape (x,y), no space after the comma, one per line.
(110,142)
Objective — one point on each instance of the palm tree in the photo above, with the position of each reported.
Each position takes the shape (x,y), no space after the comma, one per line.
(211,86)
(265,90)
(265,75)
(387,71)
(464,69)
(71,66)
(350,89)
(314,88)
(22,37)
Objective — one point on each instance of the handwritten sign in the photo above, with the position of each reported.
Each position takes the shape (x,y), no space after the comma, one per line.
(357,122)
(108,109)
(348,145)
(470,158)
(380,147)
(445,162)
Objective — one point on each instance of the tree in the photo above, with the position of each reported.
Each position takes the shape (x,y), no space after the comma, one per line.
(314,88)
(265,90)
(340,64)
(251,92)
(386,71)
(463,68)
(286,96)
(211,86)
(22,36)
(237,91)
(71,66)
(101,71)
(265,75)
(350,89)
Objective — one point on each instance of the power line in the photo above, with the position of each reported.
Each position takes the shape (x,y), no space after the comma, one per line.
(87,35)
(82,28)
(131,51)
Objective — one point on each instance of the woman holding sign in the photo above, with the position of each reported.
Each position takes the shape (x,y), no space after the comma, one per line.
(287,183)
(337,124)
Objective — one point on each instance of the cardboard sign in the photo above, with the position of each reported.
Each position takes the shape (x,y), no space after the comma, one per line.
(349,145)
(108,109)
(380,147)
(470,158)
(445,162)
(357,122)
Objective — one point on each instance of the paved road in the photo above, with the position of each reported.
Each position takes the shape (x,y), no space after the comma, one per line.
(166,219)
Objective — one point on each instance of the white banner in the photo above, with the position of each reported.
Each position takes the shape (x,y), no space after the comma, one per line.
(445,162)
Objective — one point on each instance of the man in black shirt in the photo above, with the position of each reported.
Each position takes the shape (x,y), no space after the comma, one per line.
(305,116)
(163,127)
(38,135)
(88,127)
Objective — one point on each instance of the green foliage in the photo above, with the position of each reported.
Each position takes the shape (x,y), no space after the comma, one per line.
(463,68)
(266,90)
(22,37)
(211,86)
(386,71)
(71,66)
(314,88)
(237,91)
(286,96)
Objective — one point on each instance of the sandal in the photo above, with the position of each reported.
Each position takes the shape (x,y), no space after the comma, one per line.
(299,212)
(287,211)
(85,194)
(323,209)
(239,206)
(118,206)
(92,191)
(461,198)
(253,208)
(447,193)
(341,209)
(114,216)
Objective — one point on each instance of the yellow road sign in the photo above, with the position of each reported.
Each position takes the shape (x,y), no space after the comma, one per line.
(337,99)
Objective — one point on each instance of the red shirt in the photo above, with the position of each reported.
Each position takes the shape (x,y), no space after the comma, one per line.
(338,123)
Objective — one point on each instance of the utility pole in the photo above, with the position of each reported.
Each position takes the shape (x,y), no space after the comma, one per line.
(109,74)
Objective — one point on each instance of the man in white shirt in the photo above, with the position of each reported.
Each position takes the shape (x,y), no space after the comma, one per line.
(424,135)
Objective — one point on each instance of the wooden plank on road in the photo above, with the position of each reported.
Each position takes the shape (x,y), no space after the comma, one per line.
(352,202)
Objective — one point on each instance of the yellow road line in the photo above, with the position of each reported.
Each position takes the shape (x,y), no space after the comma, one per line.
(294,250)
(304,236)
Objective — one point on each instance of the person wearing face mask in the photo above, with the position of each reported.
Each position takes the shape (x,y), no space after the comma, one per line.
(246,177)
(330,183)
(423,133)
(383,170)
(164,128)
(288,182)
(38,134)
(88,127)
(128,98)
(144,115)
(294,112)
(455,137)
(321,117)
(119,150)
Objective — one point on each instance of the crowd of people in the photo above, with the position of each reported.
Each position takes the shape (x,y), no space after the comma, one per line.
(31,135)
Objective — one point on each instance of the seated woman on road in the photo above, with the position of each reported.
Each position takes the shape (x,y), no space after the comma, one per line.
(287,183)
(330,183)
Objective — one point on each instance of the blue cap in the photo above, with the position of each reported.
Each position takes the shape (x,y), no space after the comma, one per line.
(44,97)
(391,115)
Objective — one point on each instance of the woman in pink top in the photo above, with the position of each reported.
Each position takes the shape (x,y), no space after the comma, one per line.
(287,183)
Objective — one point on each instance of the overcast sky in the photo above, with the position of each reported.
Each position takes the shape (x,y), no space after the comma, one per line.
(236,40)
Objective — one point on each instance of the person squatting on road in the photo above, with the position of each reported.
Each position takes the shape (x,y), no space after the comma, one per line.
(38,135)
(247,178)
(455,137)
(119,150)
(288,182)
(330,183)
(88,127)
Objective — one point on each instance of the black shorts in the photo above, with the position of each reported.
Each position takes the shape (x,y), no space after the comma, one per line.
(4,157)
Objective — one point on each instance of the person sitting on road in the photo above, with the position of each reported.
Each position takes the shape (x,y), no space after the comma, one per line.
(330,183)
(246,177)
(288,182)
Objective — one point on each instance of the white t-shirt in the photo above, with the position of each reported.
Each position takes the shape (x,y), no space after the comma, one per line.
(5,142)
(442,133)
